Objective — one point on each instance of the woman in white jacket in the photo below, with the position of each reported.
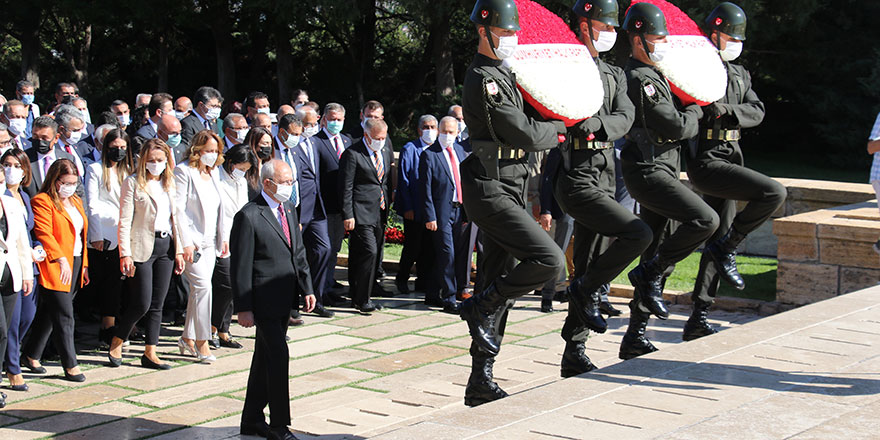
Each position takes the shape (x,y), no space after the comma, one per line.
(103,180)
(204,235)
(239,164)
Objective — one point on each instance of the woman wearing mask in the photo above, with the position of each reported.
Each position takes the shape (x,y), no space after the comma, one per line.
(17,174)
(149,248)
(238,162)
(103,181)
(60,224)
(262,143)
(202,231)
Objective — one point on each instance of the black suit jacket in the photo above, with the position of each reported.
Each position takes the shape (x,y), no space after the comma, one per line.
(357,135)
(311,205)
(329,165)
(189,126)
(267,275)
(360,187)
(36,173)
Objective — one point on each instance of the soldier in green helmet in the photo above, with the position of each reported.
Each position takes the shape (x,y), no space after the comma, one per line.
(585,187)
(650,161)
(715,168)
(493,181)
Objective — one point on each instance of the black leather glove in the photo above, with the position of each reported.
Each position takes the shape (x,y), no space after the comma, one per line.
(715,110)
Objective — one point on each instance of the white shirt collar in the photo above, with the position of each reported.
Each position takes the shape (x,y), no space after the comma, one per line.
(272,203)
(51,154)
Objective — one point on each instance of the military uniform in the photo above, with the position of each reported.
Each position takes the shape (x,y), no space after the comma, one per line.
(715,168)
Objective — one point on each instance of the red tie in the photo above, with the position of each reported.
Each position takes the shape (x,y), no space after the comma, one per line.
(338,146)
(284,225)
(380,173)
(454,162)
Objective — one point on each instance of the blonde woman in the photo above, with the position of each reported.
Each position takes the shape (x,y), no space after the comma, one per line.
(149,248)
(204,236)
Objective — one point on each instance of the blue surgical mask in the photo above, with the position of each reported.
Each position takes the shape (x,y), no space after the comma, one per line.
(27,99)
(334,127)
(173,140)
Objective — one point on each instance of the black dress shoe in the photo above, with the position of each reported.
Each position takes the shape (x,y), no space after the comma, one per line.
(379,291)
(260,429)
(402,286)
(148,363)
(230,343)
(22,387)
(2,400)
(294,322)
(113,361)
(33,369)
(434,302)
(214,342)
(322,312)
(546,305)
(280,434)
(608,309)
(75,377)
(451,307)
(367,308)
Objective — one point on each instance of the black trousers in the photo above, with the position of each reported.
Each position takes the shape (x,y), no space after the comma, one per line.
(8,299)
(267,381)
(147,291)
(107,280)
(656,185)
(364,243)
(720,175)
(55,318)
(587,194)
(418,250)
(221,306)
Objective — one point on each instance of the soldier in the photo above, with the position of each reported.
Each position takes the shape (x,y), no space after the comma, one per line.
(586,189)
(494,182)
(715,168)
(650,162)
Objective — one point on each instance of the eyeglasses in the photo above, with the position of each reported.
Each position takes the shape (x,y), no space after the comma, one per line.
(5,143)
(288,182)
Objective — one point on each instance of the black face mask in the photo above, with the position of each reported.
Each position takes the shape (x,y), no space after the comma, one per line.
(265,152)
(42,147)
(116,154)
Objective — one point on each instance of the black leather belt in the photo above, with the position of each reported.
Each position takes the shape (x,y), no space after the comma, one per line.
(721,135)
(505,153)
(590,145)
(162,234)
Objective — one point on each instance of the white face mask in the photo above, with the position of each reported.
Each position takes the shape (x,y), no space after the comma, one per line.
(429,136)
(291,141)
(13,175)
(156,168)
(283,192)
(264,110)
(208,159)
(446,140)
(212,113)
(506,46)
(87,118)
(731,51)
(462,130)
(124,120)
(237,173)
(605,42)
(66,190)
(179,115)
(374,144)
(659,53)
(240,134)
(74,137)
(17,126)
(311,131)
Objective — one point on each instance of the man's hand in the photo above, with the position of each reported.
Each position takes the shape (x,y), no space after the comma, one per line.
(246,319)
(431,226)
(310,303)
(348,224)
(409,215)
(545,220)
(873,146)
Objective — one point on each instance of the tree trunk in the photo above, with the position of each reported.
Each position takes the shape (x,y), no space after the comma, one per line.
(162,67)
(225,61)
(79,59)
(284,62)
(365,46)
(30,54)
(444,77)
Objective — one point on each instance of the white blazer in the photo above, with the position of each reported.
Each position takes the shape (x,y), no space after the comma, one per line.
(137,222)
(102,206)
(15,247)
(234,195)
(191,213)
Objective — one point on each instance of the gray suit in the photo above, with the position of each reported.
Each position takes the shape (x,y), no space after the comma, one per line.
(37,172)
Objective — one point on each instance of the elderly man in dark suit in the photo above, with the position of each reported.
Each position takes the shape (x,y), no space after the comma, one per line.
(269,274)
(444,215)
(43,152)
(365,188)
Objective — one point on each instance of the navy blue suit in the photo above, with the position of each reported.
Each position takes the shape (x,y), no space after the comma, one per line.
(312,216)
(450,243)
(329,170)
(410,196)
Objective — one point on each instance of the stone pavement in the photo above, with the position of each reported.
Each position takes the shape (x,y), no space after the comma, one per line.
(351,376)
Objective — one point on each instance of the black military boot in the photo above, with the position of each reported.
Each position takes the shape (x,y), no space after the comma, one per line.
(480,387)
(479,313)
(585,305)
(697,326)
(647,282)
(723,253)
(634,342)
(605,306)
(574,360)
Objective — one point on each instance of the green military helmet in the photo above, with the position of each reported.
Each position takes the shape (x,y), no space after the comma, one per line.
(729,19)
(497,13)
(604,11)
(645,18)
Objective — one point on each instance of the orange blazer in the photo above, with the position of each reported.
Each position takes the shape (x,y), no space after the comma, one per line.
(54,230)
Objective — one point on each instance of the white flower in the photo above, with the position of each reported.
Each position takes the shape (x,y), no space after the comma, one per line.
(693,65)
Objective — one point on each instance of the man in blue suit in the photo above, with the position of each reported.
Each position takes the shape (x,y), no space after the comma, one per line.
(312,216)
(444,214)
(409,202)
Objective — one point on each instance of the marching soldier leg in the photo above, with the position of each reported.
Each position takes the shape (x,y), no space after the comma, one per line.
(481,387)
(634,342)
(708,279)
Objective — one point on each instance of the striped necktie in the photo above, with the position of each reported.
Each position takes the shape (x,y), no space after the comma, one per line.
(380,172)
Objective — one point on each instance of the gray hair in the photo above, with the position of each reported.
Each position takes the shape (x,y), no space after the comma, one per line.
(3,127)
(426,118)
(230,119)
(371,124)
(305,111)
(452,109)
(141,95)
(450,120)
(19,86)
(334,107)
(66,113)
(79,98)
(101,131)
(267,171)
